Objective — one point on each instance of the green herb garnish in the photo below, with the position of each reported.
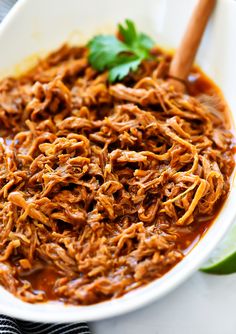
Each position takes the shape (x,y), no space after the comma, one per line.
(106,52)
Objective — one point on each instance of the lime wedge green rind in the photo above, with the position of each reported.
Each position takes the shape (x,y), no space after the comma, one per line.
(224,267)
(223,259)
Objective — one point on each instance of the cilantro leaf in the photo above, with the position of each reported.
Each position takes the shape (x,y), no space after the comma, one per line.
(128,32)
(145,41)
(107,52)
(137,41)
(120,71)
(104,51)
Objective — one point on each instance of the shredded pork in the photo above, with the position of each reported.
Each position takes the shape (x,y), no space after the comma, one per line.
(105,184)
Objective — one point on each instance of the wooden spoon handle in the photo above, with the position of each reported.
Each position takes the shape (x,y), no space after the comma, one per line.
(184,57)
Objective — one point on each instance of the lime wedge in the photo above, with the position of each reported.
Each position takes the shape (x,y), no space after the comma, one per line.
(223,259)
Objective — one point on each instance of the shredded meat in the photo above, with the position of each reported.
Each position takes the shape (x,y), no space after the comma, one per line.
(105,184)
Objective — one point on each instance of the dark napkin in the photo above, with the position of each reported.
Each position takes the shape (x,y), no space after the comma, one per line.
(13,326)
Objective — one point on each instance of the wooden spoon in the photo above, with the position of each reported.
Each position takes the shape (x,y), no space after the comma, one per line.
(184,57)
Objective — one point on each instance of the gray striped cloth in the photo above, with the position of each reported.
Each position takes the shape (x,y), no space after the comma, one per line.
(13,326)
(5,6)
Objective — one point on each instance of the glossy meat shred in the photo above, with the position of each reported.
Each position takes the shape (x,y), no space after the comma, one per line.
(100,182)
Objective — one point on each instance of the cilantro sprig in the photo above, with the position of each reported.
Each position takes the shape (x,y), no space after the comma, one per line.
(119,57)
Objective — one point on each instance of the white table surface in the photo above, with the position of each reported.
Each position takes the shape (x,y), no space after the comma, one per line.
(204,304)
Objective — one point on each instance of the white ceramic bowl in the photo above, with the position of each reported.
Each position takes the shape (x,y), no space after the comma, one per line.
(34,27)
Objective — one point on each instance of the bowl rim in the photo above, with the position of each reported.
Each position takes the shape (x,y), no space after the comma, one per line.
(136,299)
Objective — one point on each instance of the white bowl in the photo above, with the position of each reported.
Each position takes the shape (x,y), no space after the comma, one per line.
(33,27)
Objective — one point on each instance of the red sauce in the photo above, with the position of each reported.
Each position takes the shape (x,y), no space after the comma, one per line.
(44,280)
(199,83)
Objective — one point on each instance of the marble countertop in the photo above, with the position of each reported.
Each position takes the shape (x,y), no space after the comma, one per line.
(204,304)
